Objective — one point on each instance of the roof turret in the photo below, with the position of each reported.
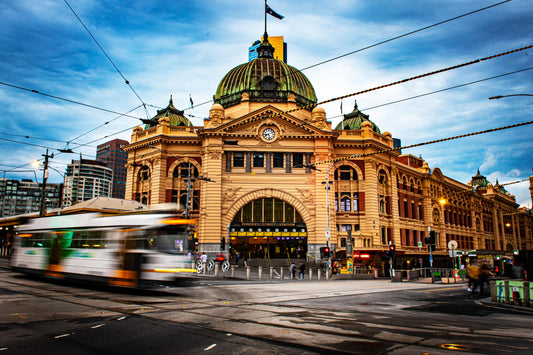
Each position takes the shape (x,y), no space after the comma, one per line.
(355,120)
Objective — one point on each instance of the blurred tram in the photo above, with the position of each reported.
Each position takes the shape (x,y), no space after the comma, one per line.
(129,250)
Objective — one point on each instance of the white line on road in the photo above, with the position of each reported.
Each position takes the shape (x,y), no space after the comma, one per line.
(121,318)
(61,336)
(210,347)
(97,326)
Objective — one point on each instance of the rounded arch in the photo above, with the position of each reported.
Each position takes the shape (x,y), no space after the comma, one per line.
(176,163)
(262,193)
(355,167)
(383,171)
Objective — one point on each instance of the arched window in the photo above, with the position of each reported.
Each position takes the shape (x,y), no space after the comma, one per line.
(144,173)
(345,173)
(182,171)
(382,177)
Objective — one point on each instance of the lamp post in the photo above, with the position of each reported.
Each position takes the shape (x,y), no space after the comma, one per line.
(328,235)
(45,177)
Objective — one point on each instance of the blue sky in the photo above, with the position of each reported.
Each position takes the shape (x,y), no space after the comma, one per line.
(185,47)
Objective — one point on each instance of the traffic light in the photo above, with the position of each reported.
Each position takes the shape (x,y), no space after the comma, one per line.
(392,250)
(324,252)
(431,240)
(223,243)
(432,237)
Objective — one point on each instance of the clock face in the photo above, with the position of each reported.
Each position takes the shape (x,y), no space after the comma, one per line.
(269,134)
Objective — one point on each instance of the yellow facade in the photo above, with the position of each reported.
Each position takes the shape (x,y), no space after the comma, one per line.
(267,197)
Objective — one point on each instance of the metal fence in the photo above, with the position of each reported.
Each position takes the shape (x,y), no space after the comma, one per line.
(515,292)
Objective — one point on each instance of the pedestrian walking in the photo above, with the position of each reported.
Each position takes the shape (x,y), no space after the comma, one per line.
(302,271)
(236,258)
(293,271)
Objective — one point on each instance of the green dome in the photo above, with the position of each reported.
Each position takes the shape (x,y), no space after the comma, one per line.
(354,120)
(265,79)
(175,116)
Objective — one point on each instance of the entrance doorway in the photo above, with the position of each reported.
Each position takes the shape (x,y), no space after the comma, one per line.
(268,228)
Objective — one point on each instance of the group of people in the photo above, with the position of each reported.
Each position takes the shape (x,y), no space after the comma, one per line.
(293,269)
(478,275)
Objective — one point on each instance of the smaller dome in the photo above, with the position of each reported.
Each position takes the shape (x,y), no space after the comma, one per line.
(319,109)
(355,120)
(175,116)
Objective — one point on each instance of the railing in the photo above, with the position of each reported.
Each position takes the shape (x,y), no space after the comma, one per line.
(515,292)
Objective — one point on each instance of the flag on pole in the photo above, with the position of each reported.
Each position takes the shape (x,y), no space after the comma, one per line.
(190,99)
(272,12)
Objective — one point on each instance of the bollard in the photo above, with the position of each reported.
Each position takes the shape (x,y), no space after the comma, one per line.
(247,273)
(527,299)
(260,272)
(310,274)
(318,273)
(217,266)
(204,268)
(282,273)
(327,274)
(271,273)
(233,272)
(506,290)
(493,292)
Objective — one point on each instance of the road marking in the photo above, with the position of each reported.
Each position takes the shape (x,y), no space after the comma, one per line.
(61,336)
(210,347)
(2,349)
(121,318)
(97,326)
(437,289)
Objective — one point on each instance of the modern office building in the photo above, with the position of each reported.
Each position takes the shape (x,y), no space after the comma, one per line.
(85,179)
(112,154)
(280,48)
(285,183)
(23,197)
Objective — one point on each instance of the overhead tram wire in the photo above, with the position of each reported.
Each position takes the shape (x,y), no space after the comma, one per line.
(383,42)
(424,143)
(311,106)
(68,100)
(437,91)
(107,56)
(401,36)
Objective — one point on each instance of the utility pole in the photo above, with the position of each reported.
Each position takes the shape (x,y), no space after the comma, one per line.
(328,233)
(45,177)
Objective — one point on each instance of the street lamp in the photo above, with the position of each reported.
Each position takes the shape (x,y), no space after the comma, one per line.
(328,235)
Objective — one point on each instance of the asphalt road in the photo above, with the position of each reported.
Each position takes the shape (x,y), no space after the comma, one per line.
(240,317)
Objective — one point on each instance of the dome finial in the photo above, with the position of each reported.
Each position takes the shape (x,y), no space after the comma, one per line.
(265,49)
(170,102)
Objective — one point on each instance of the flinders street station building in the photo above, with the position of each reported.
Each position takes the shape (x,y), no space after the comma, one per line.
(270,178)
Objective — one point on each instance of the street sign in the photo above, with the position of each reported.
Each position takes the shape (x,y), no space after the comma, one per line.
(420,244)
(452,244)
(327,233)
(452,253)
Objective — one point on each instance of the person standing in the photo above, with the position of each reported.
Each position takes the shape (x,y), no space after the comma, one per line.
(236,258)
(293,271)
(203,257)
(302,271)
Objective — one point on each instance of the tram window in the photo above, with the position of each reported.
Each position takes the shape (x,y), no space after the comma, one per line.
(36,240)
(169,240)
(88,239)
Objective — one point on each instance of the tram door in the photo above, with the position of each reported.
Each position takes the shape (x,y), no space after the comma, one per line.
(129,259)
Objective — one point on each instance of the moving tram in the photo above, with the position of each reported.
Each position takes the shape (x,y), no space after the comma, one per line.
(129,250)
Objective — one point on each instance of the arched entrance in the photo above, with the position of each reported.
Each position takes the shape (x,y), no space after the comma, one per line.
(268,228)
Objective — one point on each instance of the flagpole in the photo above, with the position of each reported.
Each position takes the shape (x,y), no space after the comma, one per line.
(265,16)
